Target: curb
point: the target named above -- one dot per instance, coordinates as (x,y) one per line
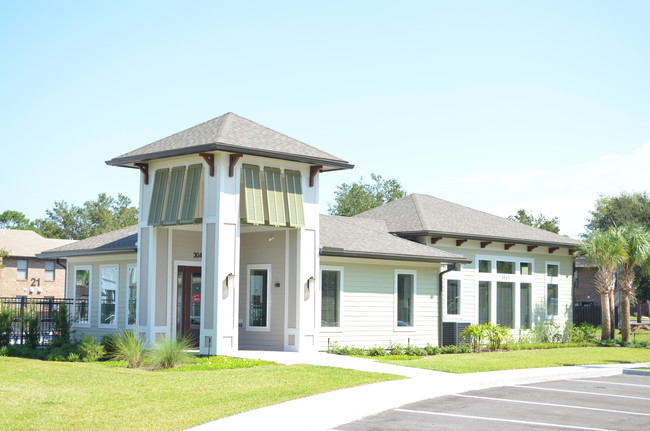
(637,372)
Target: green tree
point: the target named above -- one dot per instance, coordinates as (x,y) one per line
(15,220)
(607,251)
(69,221)
(355,198)
(541,222)
(637,251)
(621,210)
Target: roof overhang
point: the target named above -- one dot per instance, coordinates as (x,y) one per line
(94,252)
(488,238)
(328,164)
(331,251)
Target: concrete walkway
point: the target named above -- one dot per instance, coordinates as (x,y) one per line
(326,411)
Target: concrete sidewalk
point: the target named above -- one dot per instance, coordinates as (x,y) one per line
(326,411)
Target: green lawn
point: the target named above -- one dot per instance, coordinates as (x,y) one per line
(40,395)
(475,362)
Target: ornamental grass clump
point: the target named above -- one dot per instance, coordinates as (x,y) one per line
(90,350)
(128,347)
(170,353)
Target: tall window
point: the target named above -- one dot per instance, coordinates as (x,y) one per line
(331,298)
(21,269)
(108,295)
(525,305)
(405,291)
(453,296)
(258,298)
(82,276)
(484,303)
(49,270)
(132,298)
(552,288)
(505,303)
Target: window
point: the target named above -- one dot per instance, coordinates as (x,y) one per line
(551,299)
(504,267)
(108,295)
(21,269)
(405,300)
(453,296)
(484,305)
(331,298)
(258,298)
(552,270)
(484,266)
(82,276)
(49,270)
(526,268)
(505,303)
(525,305)
(132,297)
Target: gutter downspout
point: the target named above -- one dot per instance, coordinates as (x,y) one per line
(452,268)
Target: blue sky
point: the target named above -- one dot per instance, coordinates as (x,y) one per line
(495,105)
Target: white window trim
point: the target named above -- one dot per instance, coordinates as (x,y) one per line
(339,328)
(89,268)
(117,297)
(397,328)
(137,295)
(26,269)
(266,328)
(551,280)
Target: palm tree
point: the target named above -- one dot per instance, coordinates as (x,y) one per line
(607,251)
(637,250)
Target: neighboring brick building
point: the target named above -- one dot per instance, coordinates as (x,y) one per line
(585,292)
(26,275)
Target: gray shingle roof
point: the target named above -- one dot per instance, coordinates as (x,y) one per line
(423,214)
(119,241)
(235,134)
(346,236)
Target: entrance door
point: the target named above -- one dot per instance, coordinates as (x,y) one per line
(188,303)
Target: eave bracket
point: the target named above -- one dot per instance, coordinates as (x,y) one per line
(144,168)
(313,171)
(234,158)
(209,159)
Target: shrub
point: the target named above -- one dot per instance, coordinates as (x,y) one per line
(432,350)
(496,335)
(6,323)
(548,332)
(377,351)
(171,353)
(412,350)
(73,357)
(61,325)
(32,326)
(4,351)
(583,333)
(449,350)
(476,333)
(464,348)
(90,350)
(109,342)
(21,351)
(129,348)
(396,349)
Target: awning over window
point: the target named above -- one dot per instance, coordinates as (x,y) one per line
(254,209)
(294,199)
(274,196)
(168,191)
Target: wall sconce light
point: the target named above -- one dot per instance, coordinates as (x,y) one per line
(311,282)
(230,280)
(271,238)
(277,284)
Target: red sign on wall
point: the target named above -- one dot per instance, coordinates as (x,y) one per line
(196,297)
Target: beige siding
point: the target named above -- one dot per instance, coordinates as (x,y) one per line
(368,304)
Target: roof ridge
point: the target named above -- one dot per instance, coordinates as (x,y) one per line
(417,210)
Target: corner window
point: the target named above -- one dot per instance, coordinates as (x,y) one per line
(405,291)
(552,270)
(132,298)
(258,298)
(21,269)
(49,270)
(330,298)
(453,296)
(526,268)
(82,276)
(108,295)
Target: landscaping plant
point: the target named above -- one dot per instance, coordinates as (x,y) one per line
(130,348)
(6,323)
(90,350)
(475,333)
(496,335)
(61,325)
(170,353)
(32,326)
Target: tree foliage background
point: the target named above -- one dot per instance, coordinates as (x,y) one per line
(541,222)
(69,221)
(355,198)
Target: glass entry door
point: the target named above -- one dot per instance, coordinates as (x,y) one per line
(188,303)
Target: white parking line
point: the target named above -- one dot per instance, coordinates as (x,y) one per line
(483,418)
(608,383)
(581,392)
(551,405)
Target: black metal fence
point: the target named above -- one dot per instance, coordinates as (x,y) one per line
(21,309)
(587,313)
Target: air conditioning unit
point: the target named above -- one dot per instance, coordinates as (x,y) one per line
(451,333)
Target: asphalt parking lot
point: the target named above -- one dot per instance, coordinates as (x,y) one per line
(619,402)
